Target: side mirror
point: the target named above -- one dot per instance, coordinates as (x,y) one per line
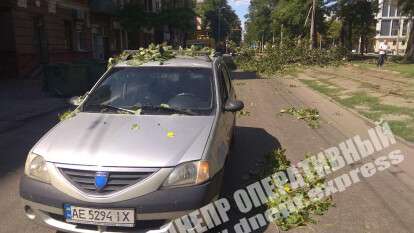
(234,106)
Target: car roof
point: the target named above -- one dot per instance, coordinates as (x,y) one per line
(196,62)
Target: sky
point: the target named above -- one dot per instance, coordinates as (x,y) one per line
(241,7)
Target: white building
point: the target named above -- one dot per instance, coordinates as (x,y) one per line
(392,26)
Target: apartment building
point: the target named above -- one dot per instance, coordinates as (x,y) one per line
(38,32)
(392,26)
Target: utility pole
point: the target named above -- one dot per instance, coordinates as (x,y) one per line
(312,27)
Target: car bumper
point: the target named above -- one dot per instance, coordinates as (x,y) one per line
(44,204)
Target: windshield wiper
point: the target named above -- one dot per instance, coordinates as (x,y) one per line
(167,109)
(107,106)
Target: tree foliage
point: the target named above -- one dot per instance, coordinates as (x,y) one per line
(268,20)
(220,20)
(293,15)
(349,20)
(259,20)
(333,32)
(358,20)
(134,18)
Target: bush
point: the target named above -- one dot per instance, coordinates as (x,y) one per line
(276,59)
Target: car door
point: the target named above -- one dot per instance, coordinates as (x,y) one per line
(230,116)
(225,121)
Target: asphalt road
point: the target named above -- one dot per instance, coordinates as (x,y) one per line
(383,203)
(14,145)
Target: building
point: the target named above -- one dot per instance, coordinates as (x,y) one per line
(392,26)
(107,35)
(39,32)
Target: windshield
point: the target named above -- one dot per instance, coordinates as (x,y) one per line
(154,90)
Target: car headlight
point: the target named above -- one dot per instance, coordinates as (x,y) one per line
(36,168)
(190,173)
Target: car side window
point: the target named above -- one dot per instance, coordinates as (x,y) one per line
(224,90)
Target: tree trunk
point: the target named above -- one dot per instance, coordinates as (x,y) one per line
(343,35)
(363,45)
(409,52)
(349,36)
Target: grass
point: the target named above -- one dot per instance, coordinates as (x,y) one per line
(358,99)
(403,129)
(373,108)
(404,69)
(323,87)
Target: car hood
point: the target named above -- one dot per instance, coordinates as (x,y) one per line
(126,140)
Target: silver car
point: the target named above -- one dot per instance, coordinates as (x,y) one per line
(148,144)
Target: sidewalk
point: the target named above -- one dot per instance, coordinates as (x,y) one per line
(21,100)
(381,203)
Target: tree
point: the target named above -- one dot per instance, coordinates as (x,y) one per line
(219,19)
(269,20)
(134,18)
(294,15)
(236,32)
(358,20)
(259,21)
(407,7)
(334,31)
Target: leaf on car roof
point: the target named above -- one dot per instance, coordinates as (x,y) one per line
(135,127)
(170,134)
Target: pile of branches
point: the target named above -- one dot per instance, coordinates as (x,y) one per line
(158,53)
(279,58)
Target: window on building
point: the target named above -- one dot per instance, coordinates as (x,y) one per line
(148,5)
(405,28)
(80,36)
(385,27)
(121,4)
(157,5)
(385,8)
(403,42)
(22,3)
(81,40)
(395,27)
(393,9)
(68,34)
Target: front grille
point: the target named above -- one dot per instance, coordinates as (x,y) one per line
(85,180)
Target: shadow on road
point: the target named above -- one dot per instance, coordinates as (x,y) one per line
(16,143)
(244,75)
(246,160)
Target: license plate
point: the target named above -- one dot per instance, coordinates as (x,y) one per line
(97,216)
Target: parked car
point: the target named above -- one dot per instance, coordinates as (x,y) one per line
(148,144)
